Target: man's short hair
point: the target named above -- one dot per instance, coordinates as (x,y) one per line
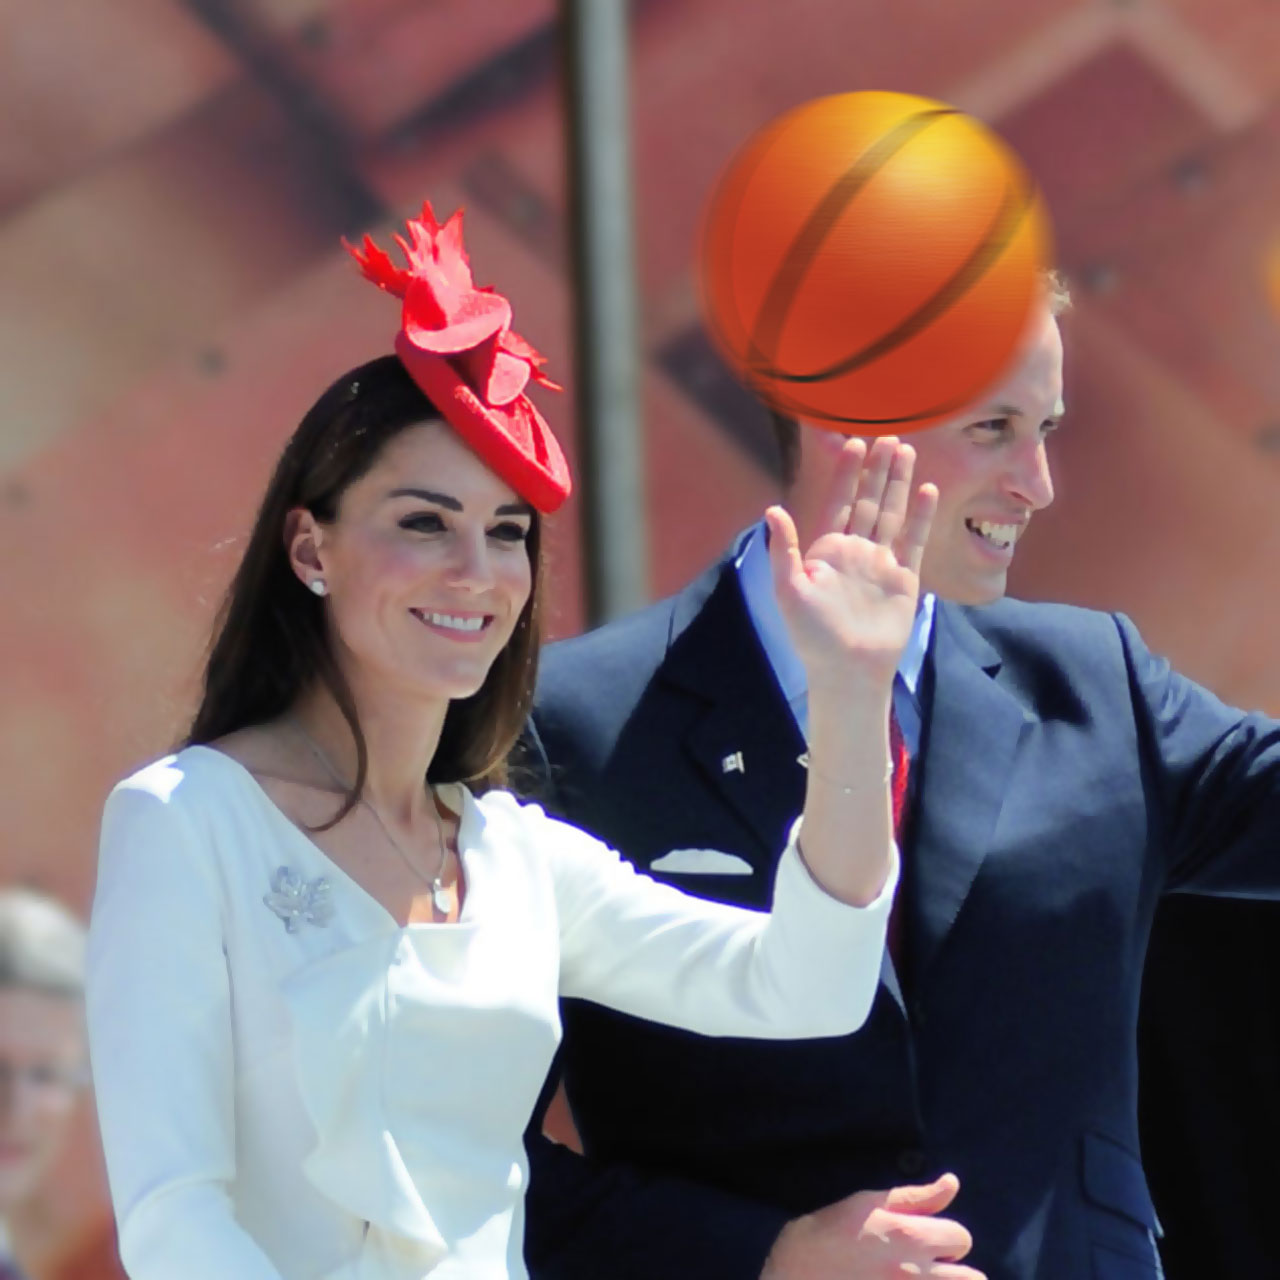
(42,945)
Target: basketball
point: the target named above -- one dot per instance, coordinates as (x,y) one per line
(870,262)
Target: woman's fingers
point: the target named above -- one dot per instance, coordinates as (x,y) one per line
(871,496)
(896,497)
(838,507)
(784,550)
(910,543)
(872,482)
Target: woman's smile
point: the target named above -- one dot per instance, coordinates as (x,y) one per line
(465,628)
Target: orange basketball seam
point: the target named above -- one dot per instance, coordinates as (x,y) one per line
(1004,226)
(812,413)
(796,260)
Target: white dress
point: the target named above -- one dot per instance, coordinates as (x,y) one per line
(294,1087)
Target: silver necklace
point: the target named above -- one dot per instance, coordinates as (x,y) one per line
(439,891)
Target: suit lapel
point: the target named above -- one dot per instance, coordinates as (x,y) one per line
(972,730)
(745,743)
(716,655)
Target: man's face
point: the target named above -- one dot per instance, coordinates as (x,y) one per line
(42,1060)
(992,475)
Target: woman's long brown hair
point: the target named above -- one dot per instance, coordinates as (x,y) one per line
(270,643)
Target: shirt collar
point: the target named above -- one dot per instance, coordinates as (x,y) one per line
(756,576)
(911,664)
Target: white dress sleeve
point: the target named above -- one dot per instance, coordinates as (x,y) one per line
(807,968)
(161,1045)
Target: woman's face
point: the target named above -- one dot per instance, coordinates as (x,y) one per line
(426,566)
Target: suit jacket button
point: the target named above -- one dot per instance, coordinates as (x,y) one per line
(911,1162)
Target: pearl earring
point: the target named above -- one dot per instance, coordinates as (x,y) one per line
(316,587)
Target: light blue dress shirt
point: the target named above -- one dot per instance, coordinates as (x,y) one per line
(756,577)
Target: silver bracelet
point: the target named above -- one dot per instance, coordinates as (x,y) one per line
(840,786)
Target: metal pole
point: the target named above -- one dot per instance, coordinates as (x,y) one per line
(611,464)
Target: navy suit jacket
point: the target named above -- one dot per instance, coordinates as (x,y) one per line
(1066,778)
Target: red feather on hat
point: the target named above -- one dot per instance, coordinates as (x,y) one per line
(457,343)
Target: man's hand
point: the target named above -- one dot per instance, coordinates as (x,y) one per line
(876,1235)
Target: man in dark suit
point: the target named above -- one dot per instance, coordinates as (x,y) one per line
(1063,779)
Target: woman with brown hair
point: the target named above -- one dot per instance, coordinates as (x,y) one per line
(327,945)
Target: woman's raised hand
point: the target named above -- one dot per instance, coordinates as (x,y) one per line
(849,599)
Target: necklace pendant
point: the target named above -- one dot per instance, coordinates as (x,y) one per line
(440,896)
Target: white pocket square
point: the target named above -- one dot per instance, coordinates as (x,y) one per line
(703,862)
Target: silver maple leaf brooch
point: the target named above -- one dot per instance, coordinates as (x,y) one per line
(298,901)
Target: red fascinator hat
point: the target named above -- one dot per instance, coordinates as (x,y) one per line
(457,343)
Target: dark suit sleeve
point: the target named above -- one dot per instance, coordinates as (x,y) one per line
(587,1221)
(1208,1040)
(1215,776)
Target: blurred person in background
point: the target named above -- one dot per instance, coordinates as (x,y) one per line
(327,944)
(43,1074)
(1063,778)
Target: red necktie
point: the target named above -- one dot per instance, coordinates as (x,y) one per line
(898,788)
(901,768)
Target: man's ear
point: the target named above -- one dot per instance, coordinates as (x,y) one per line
(303,536)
